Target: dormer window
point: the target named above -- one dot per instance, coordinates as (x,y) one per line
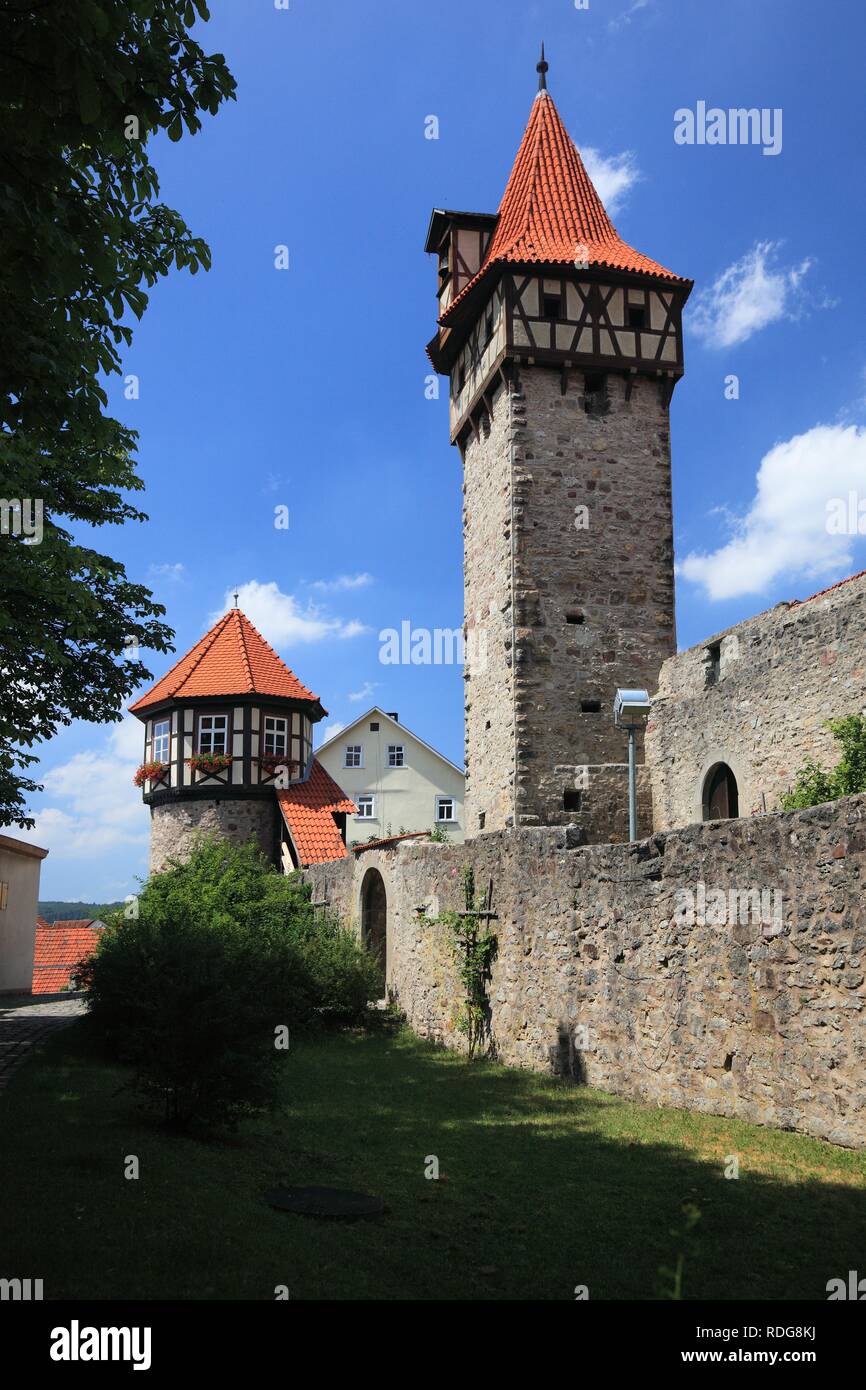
(213,733)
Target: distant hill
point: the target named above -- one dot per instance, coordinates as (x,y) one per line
(58,912)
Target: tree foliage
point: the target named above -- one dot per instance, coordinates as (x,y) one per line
(815,784)
(84,85)
(224,952)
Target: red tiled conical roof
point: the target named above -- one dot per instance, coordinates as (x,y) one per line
(550,212)
(232,659)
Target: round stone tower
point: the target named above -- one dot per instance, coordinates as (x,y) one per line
(228,727)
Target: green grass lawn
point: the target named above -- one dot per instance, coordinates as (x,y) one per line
(543,1186)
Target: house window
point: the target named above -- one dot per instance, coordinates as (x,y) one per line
(374,728)
(213,733)
(354,755)
(395,755)
(160,749)
(445,808)
(276,734)
(366,808)
(636,316)
(4,896)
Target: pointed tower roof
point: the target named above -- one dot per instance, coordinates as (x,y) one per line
(231,659)
(550,212)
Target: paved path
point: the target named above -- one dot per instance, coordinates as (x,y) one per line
(26,1022)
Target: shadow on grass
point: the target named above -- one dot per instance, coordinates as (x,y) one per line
(542,1187)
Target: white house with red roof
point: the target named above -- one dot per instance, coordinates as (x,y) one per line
(399,784)
(228,748)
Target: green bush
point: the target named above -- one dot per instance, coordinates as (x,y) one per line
(814,784)
(223,952)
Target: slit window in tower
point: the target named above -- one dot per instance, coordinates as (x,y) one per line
(595,397)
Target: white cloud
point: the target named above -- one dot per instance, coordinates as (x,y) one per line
(364,693)
(612,176)
(784,532)
(747,296)
(282,620)
(625,18)
(93,810)
(173,572)
(342,583)
(331,731)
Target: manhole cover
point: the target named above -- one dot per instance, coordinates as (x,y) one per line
(334,1202)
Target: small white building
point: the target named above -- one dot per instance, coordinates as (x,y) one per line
(397,781)
(20,864)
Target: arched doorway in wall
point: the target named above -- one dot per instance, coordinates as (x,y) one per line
(721,798)
(374,918)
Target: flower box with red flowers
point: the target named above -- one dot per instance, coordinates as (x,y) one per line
(272,763)
(150,772)
(209,763)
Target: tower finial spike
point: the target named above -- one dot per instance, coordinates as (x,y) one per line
(541,68)
(236,592)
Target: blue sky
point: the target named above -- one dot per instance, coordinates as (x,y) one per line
(304,387)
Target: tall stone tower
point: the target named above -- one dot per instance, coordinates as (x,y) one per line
(562,345)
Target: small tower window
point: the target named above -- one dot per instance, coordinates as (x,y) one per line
(636,316)
(590,706)
(276,735)
(713,663)
(160,741)
(571,799)
(575,616)
(595,397)
(551,306)
(213,733)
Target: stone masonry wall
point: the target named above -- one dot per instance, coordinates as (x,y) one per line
(746,1007)
(568,612)
(782,675)
(488,671)
(175,825)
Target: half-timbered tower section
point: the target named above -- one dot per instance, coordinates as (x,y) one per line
(228,739)
(562,345)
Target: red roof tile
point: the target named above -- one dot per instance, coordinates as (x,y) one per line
(308,808)
(58,950)
(831,588)
(550,210)
(232,659)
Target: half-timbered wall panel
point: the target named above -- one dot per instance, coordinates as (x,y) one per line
(483,347)
(587,319)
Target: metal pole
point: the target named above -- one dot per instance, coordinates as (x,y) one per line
(632,786)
